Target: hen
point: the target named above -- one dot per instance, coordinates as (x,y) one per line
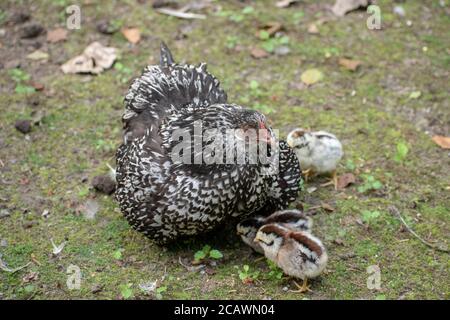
(165,197)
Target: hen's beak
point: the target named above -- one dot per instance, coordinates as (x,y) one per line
(265,134)
(257,239)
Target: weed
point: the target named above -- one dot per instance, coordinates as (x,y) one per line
(369,184)
(206,252)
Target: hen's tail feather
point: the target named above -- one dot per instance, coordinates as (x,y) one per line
(165,89)
(166,58)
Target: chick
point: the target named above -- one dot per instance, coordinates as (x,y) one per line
(298,253)
(318,152)
(290,219)
(247,229)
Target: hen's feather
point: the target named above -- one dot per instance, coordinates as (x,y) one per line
(165,199)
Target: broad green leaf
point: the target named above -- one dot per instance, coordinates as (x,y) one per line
(415,95)
(264,35)
(402,151)
(215,254)
(117,254)
(20,88)
(199,255)
(126,291)
(248,10)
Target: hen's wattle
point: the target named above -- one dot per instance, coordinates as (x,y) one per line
(167,199)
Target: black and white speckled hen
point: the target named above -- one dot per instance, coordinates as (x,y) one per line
(166,199)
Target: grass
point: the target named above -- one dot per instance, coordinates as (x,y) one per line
(370,110)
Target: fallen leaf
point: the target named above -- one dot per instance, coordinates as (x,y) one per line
(443,142)
(57,35)
(271,28)
(341,7)
(327,207)
(32,276)
(259,53)
(38,55)
(312,29)
(57,249)
(349,64)
(311,189)
(311,76)
(133,35)
(37,86)
(415,95)
(95,59)
(80,64)
(345,180)
(285,3)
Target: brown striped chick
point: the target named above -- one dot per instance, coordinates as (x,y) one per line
(318,152)
(291,219)
(298,253)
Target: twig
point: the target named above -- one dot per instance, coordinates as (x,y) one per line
(4,267)
(396,212)
(191,268)
(180,14)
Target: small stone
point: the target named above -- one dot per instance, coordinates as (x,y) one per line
(3,243)
(105,27)
(23,126)
(104,184)
(4,213)
(398,10)
(96,288)
(282,51)
(31,30)
(28,224)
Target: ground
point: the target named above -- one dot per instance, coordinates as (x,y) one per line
(385,114)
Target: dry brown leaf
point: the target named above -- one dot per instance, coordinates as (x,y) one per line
(133,35)
(95,59)
(312,29)
(345,180)
(57,35)
(259,53)
(285,3)
(271,28)
(441,141)
(341,7)
(32,276)
(37,86)
(349,64)
(327,207)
